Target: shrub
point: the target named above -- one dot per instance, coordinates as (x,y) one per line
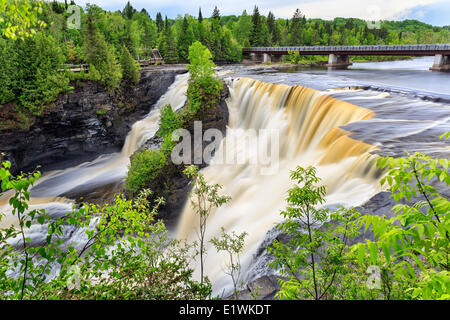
(126,254)
(144,167)
(169,121)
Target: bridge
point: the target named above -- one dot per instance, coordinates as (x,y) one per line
(339,56)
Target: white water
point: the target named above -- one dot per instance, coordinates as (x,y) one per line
(307,121)
(104,170)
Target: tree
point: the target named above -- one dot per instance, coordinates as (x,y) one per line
(216,13)
(296,29)
(203,198)
(274,31)
(19,19)
(167,45)
(98,53)
(185,40)
(128,11)
(127,254)
(159,22)
(243,28)
(232,244)
(130,69)
(200,17)
(414,243)
(256,33)
(313,257)
(200,64)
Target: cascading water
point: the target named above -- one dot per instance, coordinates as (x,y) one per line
(105,170)
(308,124)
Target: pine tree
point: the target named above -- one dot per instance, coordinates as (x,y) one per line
(159,22)
(128,11)
(99,54)
(200,17)
(216,13)
(256,35)
(296,29)
(274,31)
(167,45)
(130,69)
(185,40)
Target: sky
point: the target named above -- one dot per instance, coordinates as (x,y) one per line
(435,12)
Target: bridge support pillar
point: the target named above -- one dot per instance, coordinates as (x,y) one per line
(441,63)
(267,58)
(338,61)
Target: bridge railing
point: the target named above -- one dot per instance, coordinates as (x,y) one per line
(415,47)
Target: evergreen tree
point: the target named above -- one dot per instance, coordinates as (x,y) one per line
(167,45)
(257,36)
(296,29)
(128,11)
(215,40)
(274,31)
(99,55)
(159,22)
(200,17)
(185,40)
(243,28)
(130,69)
(145,12)
(216,13)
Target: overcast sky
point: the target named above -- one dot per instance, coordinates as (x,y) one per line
(436,12)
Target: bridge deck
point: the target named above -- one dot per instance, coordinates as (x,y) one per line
(406,50)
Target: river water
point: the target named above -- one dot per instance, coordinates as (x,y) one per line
(333,119)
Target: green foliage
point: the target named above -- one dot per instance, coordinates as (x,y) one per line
(233,245)
(130,68)
(313,258)
(99,54)
(200,67)
(185,39)
(20,18)
(203,198)
(127,255)
(33,73)
(204,89)
(144,167)
(169,122)
(415,241)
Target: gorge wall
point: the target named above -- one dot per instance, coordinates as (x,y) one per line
(83,124)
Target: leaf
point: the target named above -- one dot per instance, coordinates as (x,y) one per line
(41,219)
(387,251)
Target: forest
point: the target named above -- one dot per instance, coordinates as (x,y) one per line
(108,41)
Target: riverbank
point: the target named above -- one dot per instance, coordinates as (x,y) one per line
(82,124)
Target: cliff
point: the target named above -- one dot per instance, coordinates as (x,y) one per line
(82,124)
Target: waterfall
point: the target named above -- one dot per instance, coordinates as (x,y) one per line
(105,170)
(308,124)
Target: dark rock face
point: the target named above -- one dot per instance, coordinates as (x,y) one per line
(83,124)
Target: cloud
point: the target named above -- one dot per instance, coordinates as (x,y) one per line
(367,10)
